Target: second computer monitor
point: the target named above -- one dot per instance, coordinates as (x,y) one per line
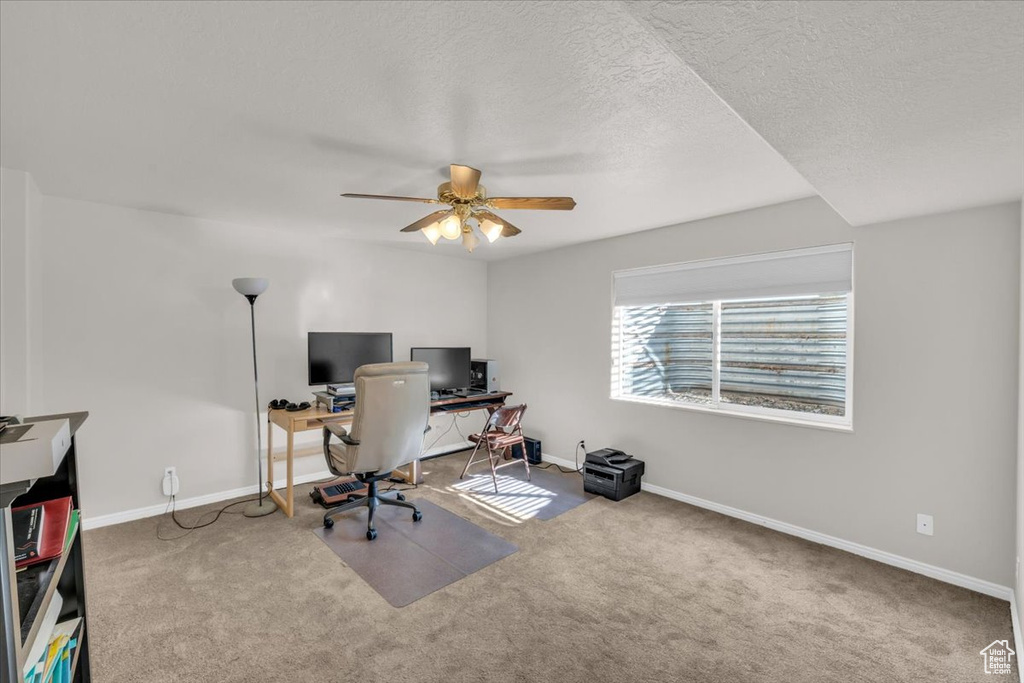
(335,356)
(449,366)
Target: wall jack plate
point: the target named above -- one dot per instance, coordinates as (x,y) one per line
(925,525)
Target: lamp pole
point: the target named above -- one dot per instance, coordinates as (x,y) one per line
(256,386)
(250,288)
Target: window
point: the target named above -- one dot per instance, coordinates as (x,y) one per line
(766,335)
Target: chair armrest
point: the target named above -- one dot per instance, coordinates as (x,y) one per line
(336,429)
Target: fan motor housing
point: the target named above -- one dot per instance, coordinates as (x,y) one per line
(445,194)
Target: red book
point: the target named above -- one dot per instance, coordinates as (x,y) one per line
(55,516)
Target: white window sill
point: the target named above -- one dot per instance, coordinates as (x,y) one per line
(828,425)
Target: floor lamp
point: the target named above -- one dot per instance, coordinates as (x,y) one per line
(250,288)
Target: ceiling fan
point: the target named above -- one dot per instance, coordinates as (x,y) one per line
(468,201)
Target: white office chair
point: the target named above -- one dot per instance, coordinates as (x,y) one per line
(391,414)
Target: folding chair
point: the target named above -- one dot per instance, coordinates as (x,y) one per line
(502,431)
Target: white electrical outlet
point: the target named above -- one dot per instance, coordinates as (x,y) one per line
(925,525)
(170,481)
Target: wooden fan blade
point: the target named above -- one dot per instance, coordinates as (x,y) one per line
(507,229)
(426,220)
(549,203)
(392,198)
(464,181)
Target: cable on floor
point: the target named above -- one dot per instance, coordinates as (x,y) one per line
(565,470)
(549,465)
(406,486)
(199,523)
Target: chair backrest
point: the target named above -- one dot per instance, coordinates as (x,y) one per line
(391,414)
(505,418)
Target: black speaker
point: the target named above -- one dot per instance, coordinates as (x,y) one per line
(532,451)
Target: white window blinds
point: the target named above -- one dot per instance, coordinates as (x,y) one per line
(798,272)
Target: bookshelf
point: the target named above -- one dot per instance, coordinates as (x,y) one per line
(27,595)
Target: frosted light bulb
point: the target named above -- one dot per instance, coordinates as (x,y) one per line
(451,227)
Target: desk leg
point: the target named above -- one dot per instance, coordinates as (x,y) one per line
(270,456)
(285,505)
(290,511)
(411,473)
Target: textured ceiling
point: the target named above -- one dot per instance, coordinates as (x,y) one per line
(888,109)
(262,113)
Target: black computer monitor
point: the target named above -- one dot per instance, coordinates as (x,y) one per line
(334,356)
(449,367)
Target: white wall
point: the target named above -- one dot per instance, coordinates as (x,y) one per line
(134,319)
(1019,569)
(935,380)
(19,205)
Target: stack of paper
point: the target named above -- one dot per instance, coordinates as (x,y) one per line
(54,666)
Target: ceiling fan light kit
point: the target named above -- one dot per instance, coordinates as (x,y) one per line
(469,202)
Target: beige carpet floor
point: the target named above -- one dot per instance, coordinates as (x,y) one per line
(647,589)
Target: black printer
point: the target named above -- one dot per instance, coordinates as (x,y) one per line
(612,474)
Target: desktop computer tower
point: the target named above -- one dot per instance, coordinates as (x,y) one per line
(532,451)
(483,375)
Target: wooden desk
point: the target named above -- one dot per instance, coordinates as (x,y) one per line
(318,416)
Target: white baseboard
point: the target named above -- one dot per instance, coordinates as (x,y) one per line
(1017,638)
(185,503)
(980,585)
(196,501)
(945,575)
(558,461)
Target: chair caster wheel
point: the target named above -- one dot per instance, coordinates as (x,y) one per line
(371,534)
(328,523)
(417,516)
(400,496)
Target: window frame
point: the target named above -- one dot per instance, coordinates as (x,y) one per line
(842,423)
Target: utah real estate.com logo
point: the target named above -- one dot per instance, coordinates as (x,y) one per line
(997,657)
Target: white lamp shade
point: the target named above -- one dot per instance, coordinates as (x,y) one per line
(491,229)
(250,286)
(432,231)
(469,241)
